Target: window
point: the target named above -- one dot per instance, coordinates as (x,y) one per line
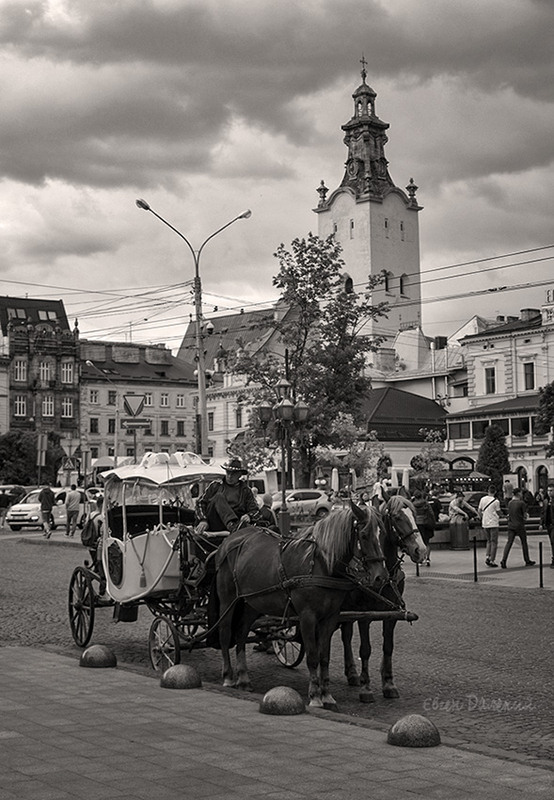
(164,400)
(148,399)
(490,380)
(20,405)
(503,424)
(112,397)
(67,407)
(48,406)
(94,396)
(48,315)
(67,371)
(111,425)
(19,370)
(351,228)
(404,284)
(458,430)
(520,426)
(180,402)
(335,227)
(238,417)
(93,425)
(402,230)
(479,427)
(180,427)
(210,420)
(94,452)
(529,375)
(386,280)
(130,451)
(16,313)
(164,427)
(386,228)
(111,451)
(44,370)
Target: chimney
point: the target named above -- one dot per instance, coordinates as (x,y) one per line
(528,314)
(501,318)
(384,359)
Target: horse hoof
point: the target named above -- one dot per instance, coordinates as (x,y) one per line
(316,702)
(391,693)
(366,697)
(353,680)
(228,684)
(330,706)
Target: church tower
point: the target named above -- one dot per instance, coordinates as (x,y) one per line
(376,222)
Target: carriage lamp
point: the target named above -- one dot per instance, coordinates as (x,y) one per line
(200,358)
(286,415)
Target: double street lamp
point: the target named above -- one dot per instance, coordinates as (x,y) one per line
(287,416)
(202,416)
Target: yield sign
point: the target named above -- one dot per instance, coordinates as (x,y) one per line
(134,403)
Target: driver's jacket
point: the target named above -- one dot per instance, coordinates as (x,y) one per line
(239,496)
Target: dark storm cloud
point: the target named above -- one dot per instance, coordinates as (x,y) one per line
(133,92)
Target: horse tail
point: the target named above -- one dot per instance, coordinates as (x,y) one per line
(212,640)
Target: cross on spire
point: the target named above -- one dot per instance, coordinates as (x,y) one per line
(363,62)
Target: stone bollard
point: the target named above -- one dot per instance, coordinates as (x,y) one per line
(413,730)
(282,700)
(98,655)
(181,676)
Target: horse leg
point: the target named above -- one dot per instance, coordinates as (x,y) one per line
(366,695)
(325,632)
(307,624)
(242,631)
(346,631)
(389,689)
(226,601)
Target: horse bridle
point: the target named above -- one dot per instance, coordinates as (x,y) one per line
(400,538)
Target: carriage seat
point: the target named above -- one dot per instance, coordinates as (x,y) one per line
(143,517)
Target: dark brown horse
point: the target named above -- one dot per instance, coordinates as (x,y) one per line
(399,534)
(260,573)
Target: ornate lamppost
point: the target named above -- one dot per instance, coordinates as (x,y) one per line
(286,416)
(202,417)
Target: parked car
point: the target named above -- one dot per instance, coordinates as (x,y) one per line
(304,502)
(26,513)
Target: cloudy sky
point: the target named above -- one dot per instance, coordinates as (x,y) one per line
(206,108)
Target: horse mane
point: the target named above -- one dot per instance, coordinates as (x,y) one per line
(333,535)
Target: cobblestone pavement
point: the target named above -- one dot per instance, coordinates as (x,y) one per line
(478,662)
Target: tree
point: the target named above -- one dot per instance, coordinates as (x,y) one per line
(324,340)
(429,464)
(544,421)
(18,458)
(493,458)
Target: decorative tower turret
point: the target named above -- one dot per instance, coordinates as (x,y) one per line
(375,221)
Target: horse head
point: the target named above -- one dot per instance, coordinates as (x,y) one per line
(367,525)
(400,526)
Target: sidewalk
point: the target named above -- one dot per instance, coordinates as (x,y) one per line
(69,732)
(459,565)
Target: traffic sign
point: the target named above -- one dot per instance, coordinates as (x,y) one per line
(134,403)
(136,423)
(70,464)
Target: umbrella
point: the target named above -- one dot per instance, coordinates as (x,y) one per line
(406,478)
(394,479)
(335,480)
(353,480)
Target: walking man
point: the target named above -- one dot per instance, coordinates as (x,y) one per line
(547,518)
(46,499)
(72,503)
(517,512)
(489,511)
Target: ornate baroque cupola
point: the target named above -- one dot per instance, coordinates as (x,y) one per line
(366,167)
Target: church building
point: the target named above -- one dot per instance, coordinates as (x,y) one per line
(375,221)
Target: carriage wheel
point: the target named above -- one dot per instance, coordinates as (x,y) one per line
(81,607)
(164,648)
(197,621)
(289,648)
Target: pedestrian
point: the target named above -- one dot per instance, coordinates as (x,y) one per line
(267,514)
(489,511)
(547,519)
(425,520)
(365,500)
(72,503)
(517,514)
(540,497)
(5,501)
(459,510)
(380,495)
(47,500)
(508,490)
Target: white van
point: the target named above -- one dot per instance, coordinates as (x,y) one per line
(26,513)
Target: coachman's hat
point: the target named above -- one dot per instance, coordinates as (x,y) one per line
(235,465)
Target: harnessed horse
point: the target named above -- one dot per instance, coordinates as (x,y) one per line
(261,573)
(398,534)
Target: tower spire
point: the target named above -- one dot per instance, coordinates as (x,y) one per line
(363,62)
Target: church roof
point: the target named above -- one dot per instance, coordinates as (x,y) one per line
(396,415)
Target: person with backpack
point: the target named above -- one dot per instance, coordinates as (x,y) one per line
(489,513)
(91,538)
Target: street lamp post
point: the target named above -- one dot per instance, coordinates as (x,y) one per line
(286,415)
(116,432)
(202,417)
